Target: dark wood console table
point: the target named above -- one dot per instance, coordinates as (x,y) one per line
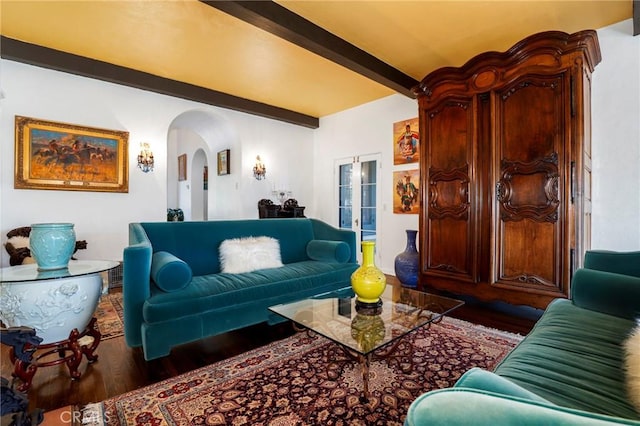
(290,208)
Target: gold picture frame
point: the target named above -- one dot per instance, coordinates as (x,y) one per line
(182,167)
(223,162)
(62,156)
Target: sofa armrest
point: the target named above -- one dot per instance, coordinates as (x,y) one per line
(618,262)
(468,407)
(480,379)
(324,231)
(136,282)
(606,292)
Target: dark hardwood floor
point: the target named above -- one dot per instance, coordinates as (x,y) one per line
(120,369)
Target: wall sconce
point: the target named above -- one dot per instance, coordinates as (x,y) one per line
(259,170)
(145,158)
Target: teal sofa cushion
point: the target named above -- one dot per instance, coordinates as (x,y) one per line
(626,263)
(573,357)
(219,291)
(618,296)
(198,243)
(328,251)
(169,272)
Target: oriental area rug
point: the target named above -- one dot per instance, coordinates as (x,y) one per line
(288,382)
(110,316)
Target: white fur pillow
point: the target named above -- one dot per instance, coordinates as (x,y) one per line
(248,254)
(632,363)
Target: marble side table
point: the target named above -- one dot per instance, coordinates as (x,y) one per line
(59,305)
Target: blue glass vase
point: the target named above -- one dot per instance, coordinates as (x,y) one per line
(52,245)
(407,263)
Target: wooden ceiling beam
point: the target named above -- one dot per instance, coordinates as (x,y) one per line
(636,17)
(280,21)
(45,57)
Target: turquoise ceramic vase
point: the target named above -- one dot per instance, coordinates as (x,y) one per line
(52,245)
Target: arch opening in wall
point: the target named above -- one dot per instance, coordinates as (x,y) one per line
(200,135)
(199,186)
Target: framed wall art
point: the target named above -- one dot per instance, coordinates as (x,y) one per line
(182,167)
(406,191)
(51,155)
(223,162)
(406,141)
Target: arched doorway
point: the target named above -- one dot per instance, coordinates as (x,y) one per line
(200,186)
(199,135)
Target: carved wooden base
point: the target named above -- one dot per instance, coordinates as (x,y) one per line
(68,351)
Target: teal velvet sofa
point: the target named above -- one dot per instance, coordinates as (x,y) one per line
(569,370)
(174,291)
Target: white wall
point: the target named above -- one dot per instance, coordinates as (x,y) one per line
(367,129)
(102,218)
(616,140)
(285,149)
(616,151)
(186,142)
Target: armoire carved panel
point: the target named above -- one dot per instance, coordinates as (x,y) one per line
(505,160)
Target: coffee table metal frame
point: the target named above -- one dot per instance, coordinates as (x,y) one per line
(362,333)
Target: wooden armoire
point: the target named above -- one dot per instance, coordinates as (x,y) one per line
(505,157)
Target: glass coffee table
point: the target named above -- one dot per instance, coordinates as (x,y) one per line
(364,332)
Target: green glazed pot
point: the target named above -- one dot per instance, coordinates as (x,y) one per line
(52,244)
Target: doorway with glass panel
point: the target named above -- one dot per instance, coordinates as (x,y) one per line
(358,195)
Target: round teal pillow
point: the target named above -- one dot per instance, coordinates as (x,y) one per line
(328,251)
(169,272)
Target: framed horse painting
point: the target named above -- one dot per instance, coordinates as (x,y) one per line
(69,157)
